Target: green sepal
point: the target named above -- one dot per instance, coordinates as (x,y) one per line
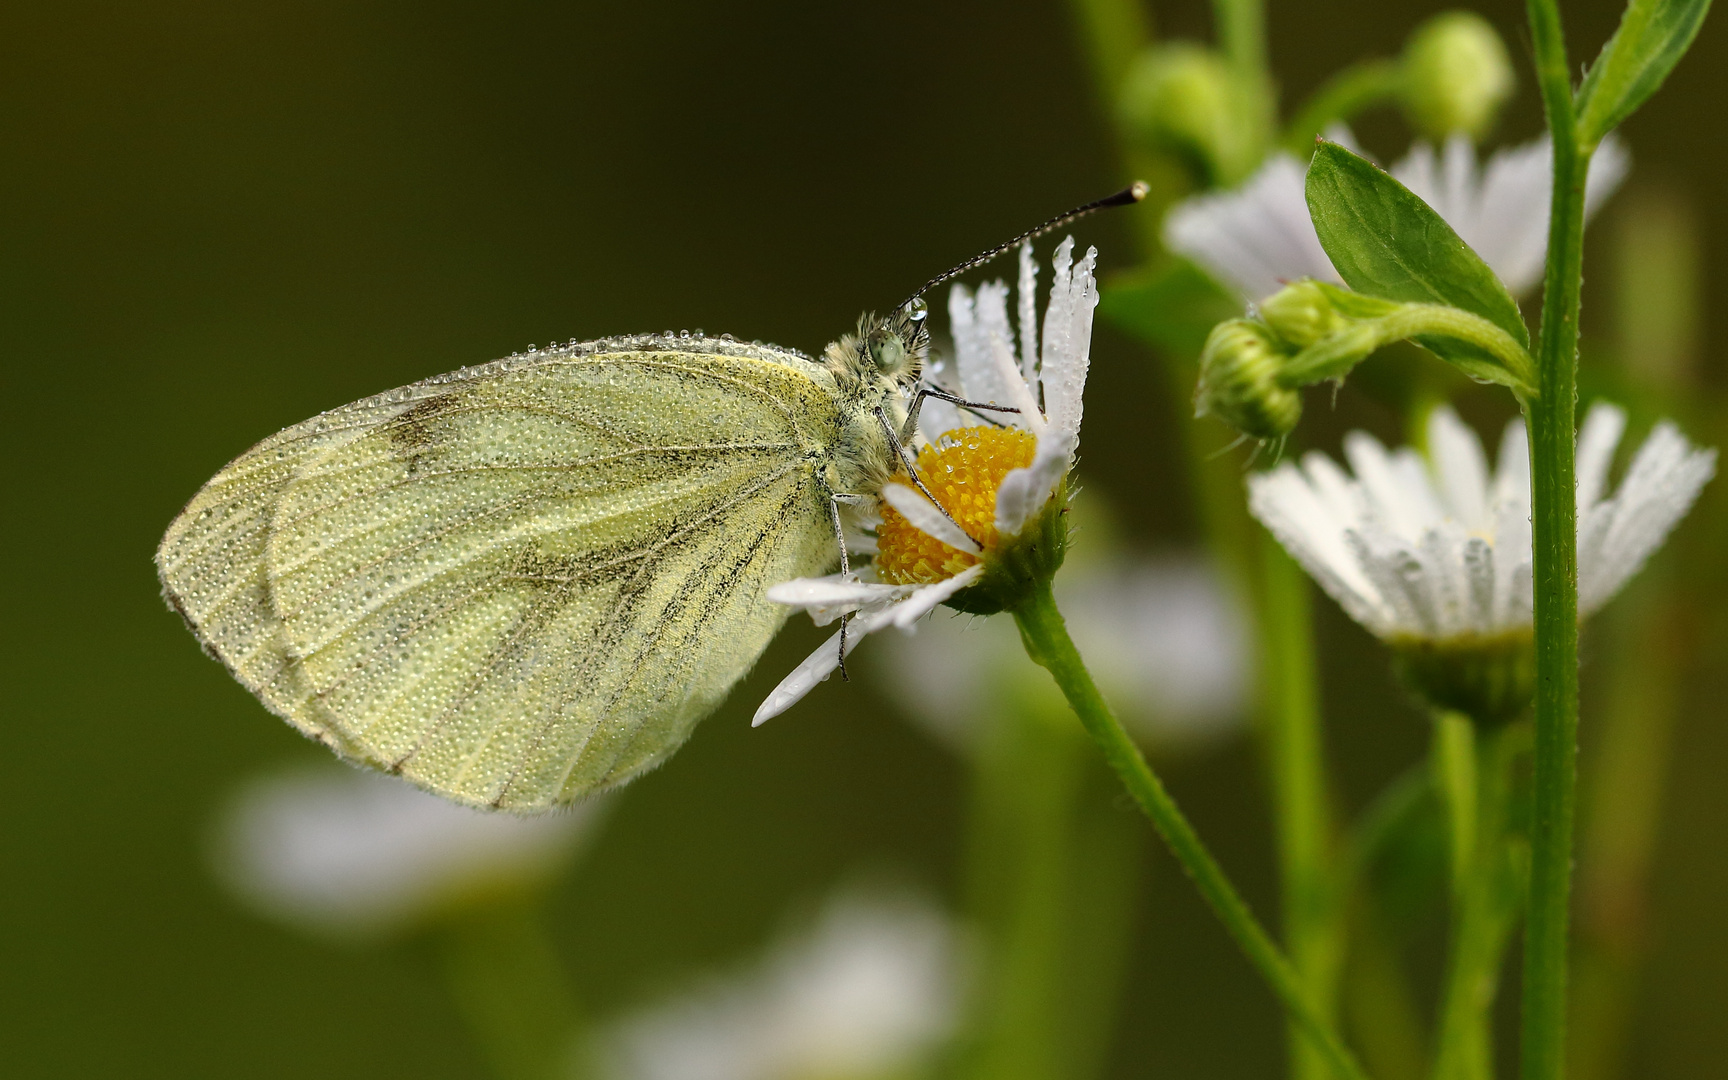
(1652,37)
(1387,243)
(1489,679)
(1020,565)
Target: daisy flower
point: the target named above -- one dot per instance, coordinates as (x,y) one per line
(869,991)
(1163,638)
(355,852)
(1435,558)
(994,481)
(1257,237)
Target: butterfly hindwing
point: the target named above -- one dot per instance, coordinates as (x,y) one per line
(522,582)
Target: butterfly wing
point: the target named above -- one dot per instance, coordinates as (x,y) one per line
(523,582)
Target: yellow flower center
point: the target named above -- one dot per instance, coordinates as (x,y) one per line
(963,471)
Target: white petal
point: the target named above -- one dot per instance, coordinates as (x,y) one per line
(832,591)
(976,319)
(1400,496)
(1067,354)
(1598,437)
(1342,496)
(927,517)
(1285,503)
(1608,166)
(1026,292)
(820,664)
(928,597)
(1255,237)
(1396,568)
(1023,492)
(1460,467)
(1015,391)
(1512,470)
(1479,574)
(1502,211)
(1664,480)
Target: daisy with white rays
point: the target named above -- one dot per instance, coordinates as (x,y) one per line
(1259,236)
(1000,484)
(1003,487)
(1435,559)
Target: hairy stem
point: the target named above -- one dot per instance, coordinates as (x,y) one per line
(1334,356)
(1554,520)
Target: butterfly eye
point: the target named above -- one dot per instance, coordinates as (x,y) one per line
(889,353)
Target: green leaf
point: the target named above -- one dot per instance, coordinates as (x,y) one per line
(1173,309)
(1653,36)
(1386,242)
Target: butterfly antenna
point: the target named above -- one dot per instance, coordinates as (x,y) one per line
(1128,196)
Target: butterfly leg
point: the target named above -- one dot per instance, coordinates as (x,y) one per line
(910,427)
(905,458)
(835,498)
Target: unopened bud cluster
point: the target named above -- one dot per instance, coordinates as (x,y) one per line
(1242,367)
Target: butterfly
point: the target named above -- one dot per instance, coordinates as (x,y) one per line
(523,582)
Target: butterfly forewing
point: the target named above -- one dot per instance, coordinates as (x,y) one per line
(523,582)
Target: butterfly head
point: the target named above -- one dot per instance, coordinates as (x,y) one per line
(887,352)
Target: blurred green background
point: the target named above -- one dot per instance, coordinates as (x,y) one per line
(217,219)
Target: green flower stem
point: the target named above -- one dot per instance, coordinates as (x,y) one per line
(1473,774)
(1053,872)
(1241,29)
(503,974)
(1313,926)
(1357,88)
(1554,521)
(1047,642)
(1334,355)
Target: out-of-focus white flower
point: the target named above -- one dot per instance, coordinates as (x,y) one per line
(1441,551)
(1257,237)
(868,992)
(994,482)
(1164,640)
(352,852)
(1501,209)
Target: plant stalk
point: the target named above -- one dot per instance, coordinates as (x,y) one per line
(1552,422)
(1473,767)
(1313,930)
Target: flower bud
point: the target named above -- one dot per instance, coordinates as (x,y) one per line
(1489,679)
(1179,99)
(1239,381)
(1300,314)
(1456,76)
